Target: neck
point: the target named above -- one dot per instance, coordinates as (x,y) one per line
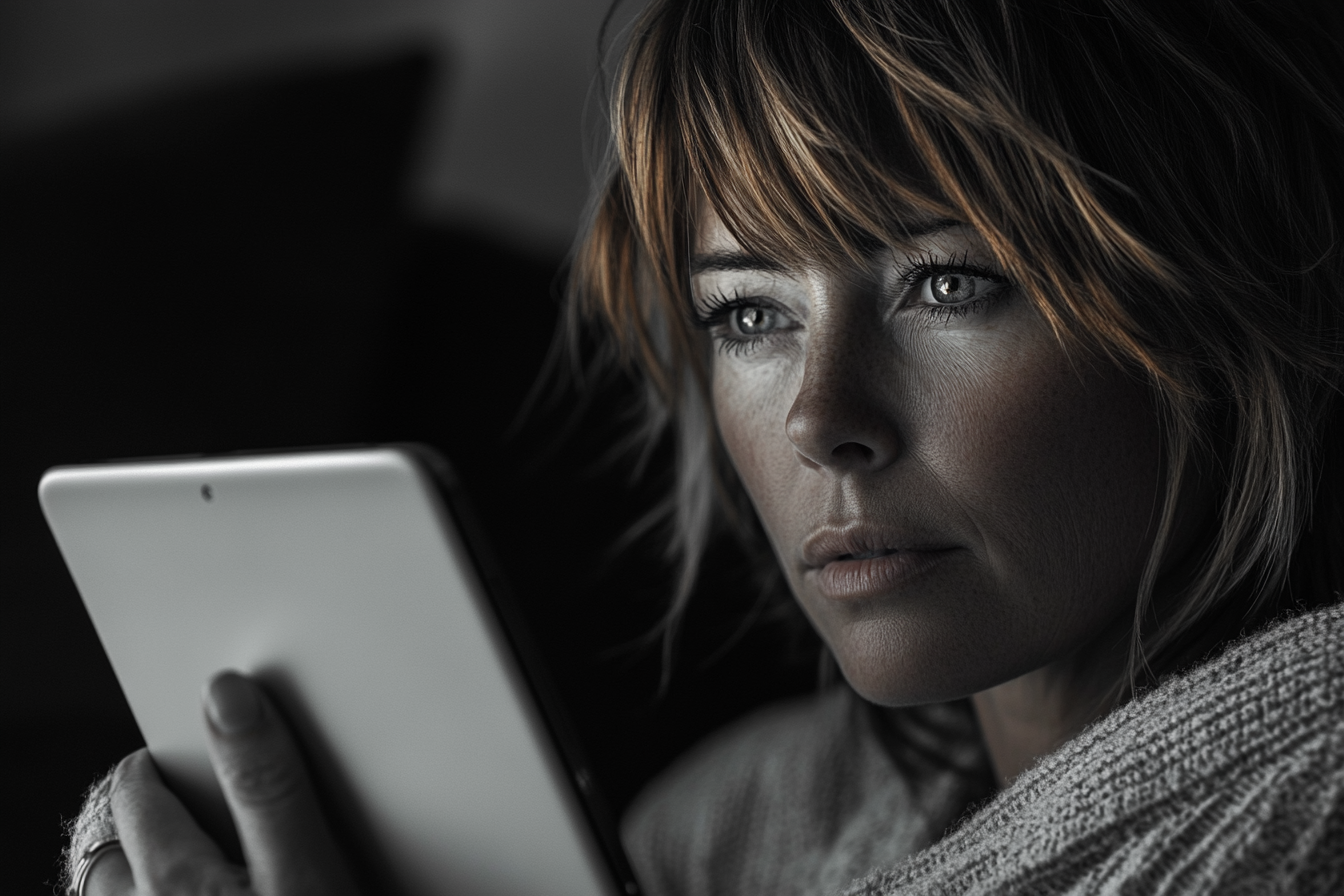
(1030,716)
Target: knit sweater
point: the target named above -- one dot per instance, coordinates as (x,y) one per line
(1228,779)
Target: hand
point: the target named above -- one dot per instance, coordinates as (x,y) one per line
(286,842)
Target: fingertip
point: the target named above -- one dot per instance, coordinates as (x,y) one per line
(132,766)
(233,703)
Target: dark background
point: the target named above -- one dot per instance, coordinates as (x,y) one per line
(234,264)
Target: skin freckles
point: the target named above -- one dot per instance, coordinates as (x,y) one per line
(869,403)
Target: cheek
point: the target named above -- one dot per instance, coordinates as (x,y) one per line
(751,407)
(1055,462)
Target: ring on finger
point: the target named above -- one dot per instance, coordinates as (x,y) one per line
(86,861)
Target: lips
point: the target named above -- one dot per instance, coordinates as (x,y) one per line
(857,562)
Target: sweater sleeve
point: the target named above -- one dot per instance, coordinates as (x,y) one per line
(1229,779)
(93,824)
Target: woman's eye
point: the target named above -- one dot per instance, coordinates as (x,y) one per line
(754,320)
(954,289)
(741,324)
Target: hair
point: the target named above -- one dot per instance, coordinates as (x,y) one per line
(1160,179)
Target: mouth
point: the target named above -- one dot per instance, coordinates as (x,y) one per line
(868,555)
(861,562)
(829,545)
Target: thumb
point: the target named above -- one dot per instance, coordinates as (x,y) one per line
(286,841)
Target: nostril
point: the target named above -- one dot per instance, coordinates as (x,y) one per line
(852,452)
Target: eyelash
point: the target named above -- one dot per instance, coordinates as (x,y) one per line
(717,307)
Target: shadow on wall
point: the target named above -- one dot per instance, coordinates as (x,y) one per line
(233,269)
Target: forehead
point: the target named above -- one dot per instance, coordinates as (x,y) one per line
(709,230)
(714,248)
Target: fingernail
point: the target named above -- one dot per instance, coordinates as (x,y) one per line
(232,703)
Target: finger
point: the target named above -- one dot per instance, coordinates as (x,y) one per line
(110,876)
(166,850)
(288,845)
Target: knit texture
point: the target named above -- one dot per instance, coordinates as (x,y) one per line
(93,825)
(1227,779)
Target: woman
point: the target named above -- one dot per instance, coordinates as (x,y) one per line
(1011,337)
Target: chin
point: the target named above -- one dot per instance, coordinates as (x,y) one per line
(894,663)
(877,686)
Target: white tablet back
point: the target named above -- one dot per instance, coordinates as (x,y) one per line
(338,578)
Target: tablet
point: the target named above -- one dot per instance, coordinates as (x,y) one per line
(346,582)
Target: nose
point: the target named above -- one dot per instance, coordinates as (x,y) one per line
(841,419)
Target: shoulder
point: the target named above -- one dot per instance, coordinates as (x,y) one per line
(797,797)
(698,827)
(1229,777)
(783,738)
(723,775)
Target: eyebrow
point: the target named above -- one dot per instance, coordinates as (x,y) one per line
(734,261)
(745,261)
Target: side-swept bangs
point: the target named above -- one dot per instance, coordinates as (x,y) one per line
(1156,176)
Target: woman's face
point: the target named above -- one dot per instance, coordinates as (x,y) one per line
(956,500)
